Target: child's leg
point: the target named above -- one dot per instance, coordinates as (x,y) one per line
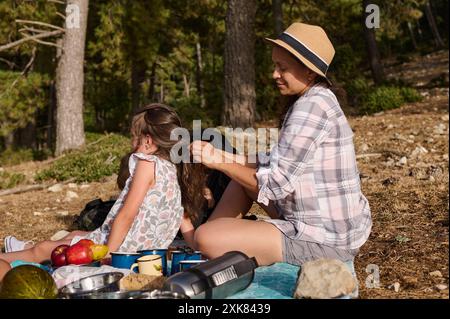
(70,236)
(40,252)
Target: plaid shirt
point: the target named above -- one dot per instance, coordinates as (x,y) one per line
(312,176)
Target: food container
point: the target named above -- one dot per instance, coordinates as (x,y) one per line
(108,282)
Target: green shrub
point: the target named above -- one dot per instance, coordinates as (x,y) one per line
(13,156)
(386,98)
(100,158)
(10,180)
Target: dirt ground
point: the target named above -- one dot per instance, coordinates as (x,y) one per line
(403,161)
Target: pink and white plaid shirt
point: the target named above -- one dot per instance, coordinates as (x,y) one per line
(312,177)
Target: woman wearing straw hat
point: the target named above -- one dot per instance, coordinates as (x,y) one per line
(309,185)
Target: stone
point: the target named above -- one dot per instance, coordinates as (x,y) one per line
(364,148)
(440,129)
(324,279)
(38,214)
(436,273)
(390,126)
(62,213)
(402,161)
(418,152)
(84,186)
(70,195)
(72,185)
(55,188)
(396,286)
(441,287)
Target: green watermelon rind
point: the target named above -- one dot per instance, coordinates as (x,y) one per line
(18,283)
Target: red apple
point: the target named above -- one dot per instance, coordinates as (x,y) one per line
(79,254)
(58,256)
(86,242)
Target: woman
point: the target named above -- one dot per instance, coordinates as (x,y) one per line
(309,185)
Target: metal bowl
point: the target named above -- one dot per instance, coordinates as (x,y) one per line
(159,294)
(135,294)
(108,282)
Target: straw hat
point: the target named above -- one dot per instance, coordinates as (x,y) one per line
(310,44)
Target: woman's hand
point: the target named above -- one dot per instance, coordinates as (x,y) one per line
(205,153)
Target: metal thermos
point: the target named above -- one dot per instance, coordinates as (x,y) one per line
(217,278)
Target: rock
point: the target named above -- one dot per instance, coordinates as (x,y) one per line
(403,161)
(429,140)
(445,118)
(418,152)
(72,185)
(46,209)
(59,235)
(440,129)
(369,134)
(9,214)
(441,287)
(2,169)
(38,214)
(62,213)
(390,126)
(324,279)
(55,188)
(364,148)
(70,195)
(389,163)
(396,286)
(436,273)
(445,157)
(84,186)
(431,179)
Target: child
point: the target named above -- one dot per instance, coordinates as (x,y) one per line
(149,210)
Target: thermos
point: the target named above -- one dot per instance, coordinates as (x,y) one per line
(217,278)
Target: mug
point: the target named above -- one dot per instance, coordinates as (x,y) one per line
(160,252)
(149,265)
(180,255)
(186,264)
(123,260)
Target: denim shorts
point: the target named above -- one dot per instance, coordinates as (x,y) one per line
(297,252)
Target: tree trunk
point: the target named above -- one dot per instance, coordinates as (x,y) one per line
(239,64)
(199,75)
(432,22)
(277,6)
(151,88)
(413,37)
(187,89)
(70,81)
(137,79)
(372,49)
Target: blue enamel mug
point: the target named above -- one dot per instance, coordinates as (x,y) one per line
(123,260)
(186,264)
(160,252)
(180,255)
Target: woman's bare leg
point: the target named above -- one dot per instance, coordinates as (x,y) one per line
(236,202)
(71,235)
(40,252)
(254,238)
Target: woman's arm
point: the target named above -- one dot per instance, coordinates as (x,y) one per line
(187,230)
(143,179)
(235,166)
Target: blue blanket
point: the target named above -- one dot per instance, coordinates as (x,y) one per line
(278,281)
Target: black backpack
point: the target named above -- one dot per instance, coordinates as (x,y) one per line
(93,215)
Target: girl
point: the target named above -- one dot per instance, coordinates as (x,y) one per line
(150,209)
(309,185)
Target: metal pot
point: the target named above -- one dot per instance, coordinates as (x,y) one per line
(158,294)
(108,282)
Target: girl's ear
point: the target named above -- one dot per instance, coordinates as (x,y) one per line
(148,141)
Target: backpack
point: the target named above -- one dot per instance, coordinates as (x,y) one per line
(93,215)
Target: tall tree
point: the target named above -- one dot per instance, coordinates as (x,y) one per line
(70,79)
(434,29)
(372,48)
(239,64)
(277,6)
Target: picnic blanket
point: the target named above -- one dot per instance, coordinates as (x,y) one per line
(278,281)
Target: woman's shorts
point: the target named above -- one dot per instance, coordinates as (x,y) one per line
(297,252)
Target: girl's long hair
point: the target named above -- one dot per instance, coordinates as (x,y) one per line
(158,121)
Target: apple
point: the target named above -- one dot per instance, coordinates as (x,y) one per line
(79,254)
(86,242)
(99,251)
(58,256)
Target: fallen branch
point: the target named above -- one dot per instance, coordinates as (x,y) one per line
(26,39)
(368,155)
(29,188)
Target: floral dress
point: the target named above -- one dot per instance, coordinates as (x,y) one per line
(159,216)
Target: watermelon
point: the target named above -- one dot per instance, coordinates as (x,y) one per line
(28,282)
